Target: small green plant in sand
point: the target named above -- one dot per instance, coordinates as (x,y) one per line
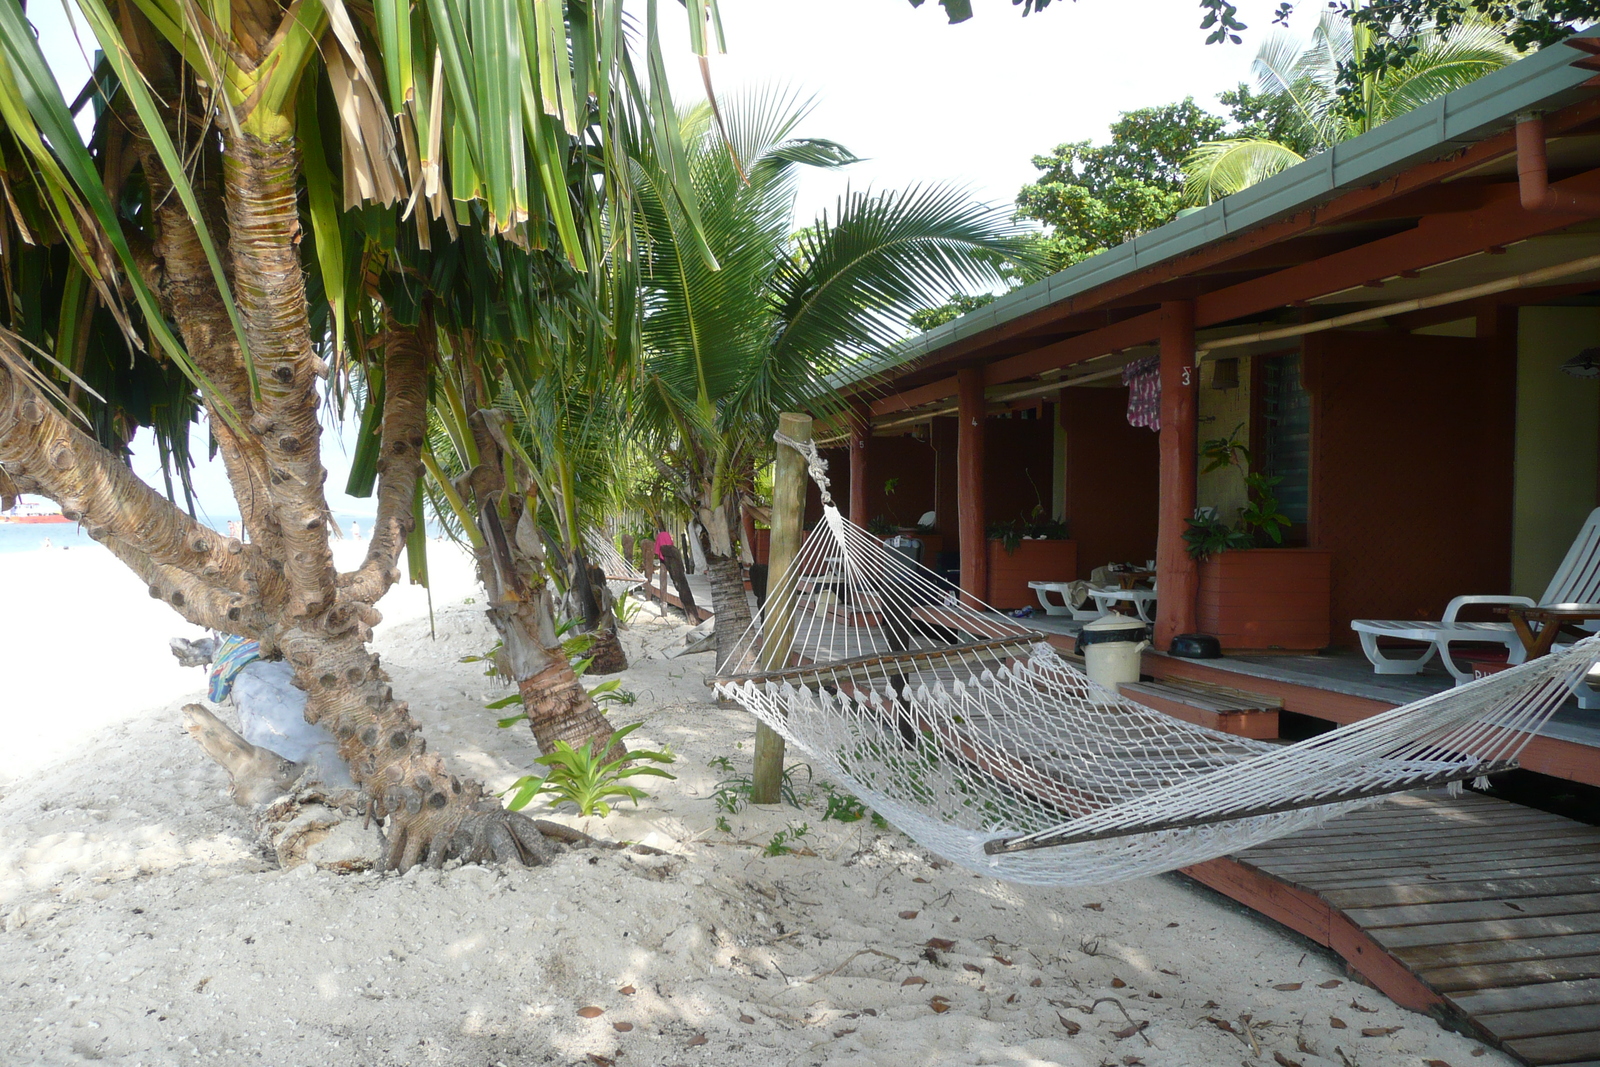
(846,807)
(723,825)
(783,842)
(589,780)
(733,792)
(627,608)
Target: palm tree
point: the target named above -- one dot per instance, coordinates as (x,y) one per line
(215,185)
(725,350)
(1308,79)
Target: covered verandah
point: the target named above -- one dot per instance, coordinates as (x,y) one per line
(1384,327)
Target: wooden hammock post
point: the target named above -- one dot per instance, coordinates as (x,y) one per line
(788,518)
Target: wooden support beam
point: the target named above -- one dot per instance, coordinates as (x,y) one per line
(1177,575)
(860,453)
(788,519)
(969,484)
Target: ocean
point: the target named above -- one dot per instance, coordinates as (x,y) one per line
(30,537)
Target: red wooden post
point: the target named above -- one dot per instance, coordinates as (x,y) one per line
(860,448)
(1177,576)
(969,483)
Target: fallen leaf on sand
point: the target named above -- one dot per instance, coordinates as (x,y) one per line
(1378,1031)
(973,967)
(1283,1061)
(1001,960)
(1012,999)
(1332,983)
(1436,1063)
(1129,1031)
(1221,1024)
(923,881)
(1172,926)
(842,1033)
(591,1012)
(1036,983)
(1095,907)
(1369,1011)
(746,1019)
(915,979)
(1337,1023)
(1132,1061)
(908,915)
(940,1005)
(697,1039)
(1117,983)
(622,1028)
(600,1061)
(627,991)
(1071,1027)
(1287,987)
(1210,1004)
(940,943)
(1163,970)
(1478,1051)
(1153,995)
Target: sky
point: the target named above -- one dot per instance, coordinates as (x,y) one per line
(919,99)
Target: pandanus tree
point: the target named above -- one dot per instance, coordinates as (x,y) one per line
(515,461)
(725,350)
(1324,108)
(241,148)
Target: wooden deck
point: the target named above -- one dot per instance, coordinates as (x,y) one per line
(1482,913)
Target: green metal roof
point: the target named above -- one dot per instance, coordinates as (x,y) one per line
(1543,81)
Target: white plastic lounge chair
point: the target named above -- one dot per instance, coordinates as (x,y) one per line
(1577,581)
(1143,601)
(1042,590)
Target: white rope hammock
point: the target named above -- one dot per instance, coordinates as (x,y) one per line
(970,734)
(621,576)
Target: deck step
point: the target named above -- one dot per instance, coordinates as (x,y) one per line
(1233,711)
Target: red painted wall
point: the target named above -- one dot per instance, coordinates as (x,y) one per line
(1018,467)
(1113,476)
(912,462)
(1411,470)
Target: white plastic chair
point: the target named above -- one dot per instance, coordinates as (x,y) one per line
(1042,590)
(1576,581)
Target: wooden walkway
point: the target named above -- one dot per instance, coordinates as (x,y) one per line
(1482,913)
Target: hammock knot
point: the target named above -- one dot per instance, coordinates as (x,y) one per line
(816,466)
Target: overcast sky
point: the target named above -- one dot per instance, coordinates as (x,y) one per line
(919,99)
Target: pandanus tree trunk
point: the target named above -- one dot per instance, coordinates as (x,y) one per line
(282,589)
(521,606)
(606,654)
(719,539)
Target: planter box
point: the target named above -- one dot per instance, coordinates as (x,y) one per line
(932,544)
(1267,598)
(1033,561)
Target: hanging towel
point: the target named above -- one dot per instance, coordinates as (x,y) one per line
(1143,379)
(231,657)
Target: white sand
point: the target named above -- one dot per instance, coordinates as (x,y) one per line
(141,926)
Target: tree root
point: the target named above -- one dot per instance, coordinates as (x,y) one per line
(256,775)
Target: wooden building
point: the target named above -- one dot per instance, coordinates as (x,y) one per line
(1392,326)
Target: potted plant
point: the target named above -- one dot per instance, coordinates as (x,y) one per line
(1027,549)
(1254,597)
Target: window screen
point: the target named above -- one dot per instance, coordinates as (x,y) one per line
(1286,434)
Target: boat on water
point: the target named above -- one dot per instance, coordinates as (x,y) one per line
(29,512)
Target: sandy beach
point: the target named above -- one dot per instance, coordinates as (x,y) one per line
(140,923)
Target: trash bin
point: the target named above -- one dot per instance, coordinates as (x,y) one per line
(1110,646)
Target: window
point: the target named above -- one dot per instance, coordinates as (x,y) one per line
(1285,450)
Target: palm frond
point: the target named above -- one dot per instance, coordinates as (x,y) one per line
(1217,169)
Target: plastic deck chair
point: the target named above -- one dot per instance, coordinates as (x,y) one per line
(1576,581)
